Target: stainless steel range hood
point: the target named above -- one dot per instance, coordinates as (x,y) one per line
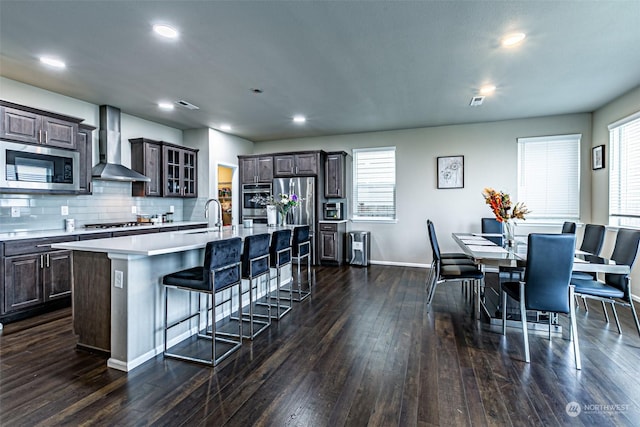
(110,167)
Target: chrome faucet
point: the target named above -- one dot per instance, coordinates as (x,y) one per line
(206,213)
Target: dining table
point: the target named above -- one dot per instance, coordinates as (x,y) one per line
(486,253)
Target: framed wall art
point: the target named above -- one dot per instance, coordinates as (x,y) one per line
(451,172)
(597,157)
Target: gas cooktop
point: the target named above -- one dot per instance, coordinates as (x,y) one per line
(116,224)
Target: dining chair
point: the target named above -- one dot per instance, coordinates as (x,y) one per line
(219,272)
(493,226)
(616,288)
(592,240)
(546,285)
(442,273)
(449,258)
(569,227)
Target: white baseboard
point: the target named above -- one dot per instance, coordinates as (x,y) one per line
(401,264)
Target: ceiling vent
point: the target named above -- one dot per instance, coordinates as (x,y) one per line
(187,105)
(476,101)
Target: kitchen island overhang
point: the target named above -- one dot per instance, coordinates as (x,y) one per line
(135,308)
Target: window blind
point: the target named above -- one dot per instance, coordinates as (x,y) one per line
(374,183)
(624,173)
(549,176)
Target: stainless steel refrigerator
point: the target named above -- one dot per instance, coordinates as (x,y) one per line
(305,212)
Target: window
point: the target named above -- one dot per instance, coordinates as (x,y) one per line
(549,176)
(374,184)
(624,173)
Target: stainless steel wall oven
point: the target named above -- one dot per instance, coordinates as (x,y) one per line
(251,209)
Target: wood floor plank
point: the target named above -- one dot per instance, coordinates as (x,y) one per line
(363,350)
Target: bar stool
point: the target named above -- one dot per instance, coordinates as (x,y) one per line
(220,271)
(255,263)
(279,256)
(301,249)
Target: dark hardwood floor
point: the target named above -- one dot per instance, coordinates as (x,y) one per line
(362,351)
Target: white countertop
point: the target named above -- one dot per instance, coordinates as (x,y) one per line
(55,233)
(333,221)
(164,243)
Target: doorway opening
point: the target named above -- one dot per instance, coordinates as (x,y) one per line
(225,193)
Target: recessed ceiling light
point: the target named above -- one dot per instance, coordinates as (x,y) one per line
(53,62)
(166,31)
(513,39)
(225,128)
(299,119)
(166,105)
(487,90)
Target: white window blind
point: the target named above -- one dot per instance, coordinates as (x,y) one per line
(374,183)
(549,176)
(624,172)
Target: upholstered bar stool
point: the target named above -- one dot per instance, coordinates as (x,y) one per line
(255,264)
(301,249)
(220,272)
(280,256)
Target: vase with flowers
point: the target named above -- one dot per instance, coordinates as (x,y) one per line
(284,203)
(504,211)
(277,205)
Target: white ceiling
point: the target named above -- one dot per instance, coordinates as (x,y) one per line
(349,66)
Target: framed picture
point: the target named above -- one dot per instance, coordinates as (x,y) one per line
(451,172)
(597,157)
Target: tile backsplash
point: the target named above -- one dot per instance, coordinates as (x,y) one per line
(111,201)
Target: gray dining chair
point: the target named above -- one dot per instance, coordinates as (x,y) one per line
(616,288)
(493,226)
(443,273)
(592,241)
(569,227)
(546,285)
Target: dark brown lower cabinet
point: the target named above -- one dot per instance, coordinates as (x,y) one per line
(332,242)
(33,280)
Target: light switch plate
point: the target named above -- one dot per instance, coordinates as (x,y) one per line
(15,212)
(64,210)
(134,209)
(171,208)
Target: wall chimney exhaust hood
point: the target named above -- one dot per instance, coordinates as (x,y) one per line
(110,167)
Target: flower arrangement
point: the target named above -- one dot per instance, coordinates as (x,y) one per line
(283,202)
(500,204)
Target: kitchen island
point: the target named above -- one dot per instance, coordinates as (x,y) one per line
(118,293)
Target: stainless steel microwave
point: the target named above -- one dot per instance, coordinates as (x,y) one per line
(34,167)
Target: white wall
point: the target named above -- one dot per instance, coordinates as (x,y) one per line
(490,154)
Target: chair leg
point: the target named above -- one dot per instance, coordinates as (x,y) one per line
(615,316)
(550,319)
(604,310)
(504,313)
(166,307)
(574,328)
(635,315)
(586,307)
(434,285)
(523,318)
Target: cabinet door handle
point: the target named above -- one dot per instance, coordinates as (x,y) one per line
(47,260)
(41,261)
(40,136)
(45,137)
